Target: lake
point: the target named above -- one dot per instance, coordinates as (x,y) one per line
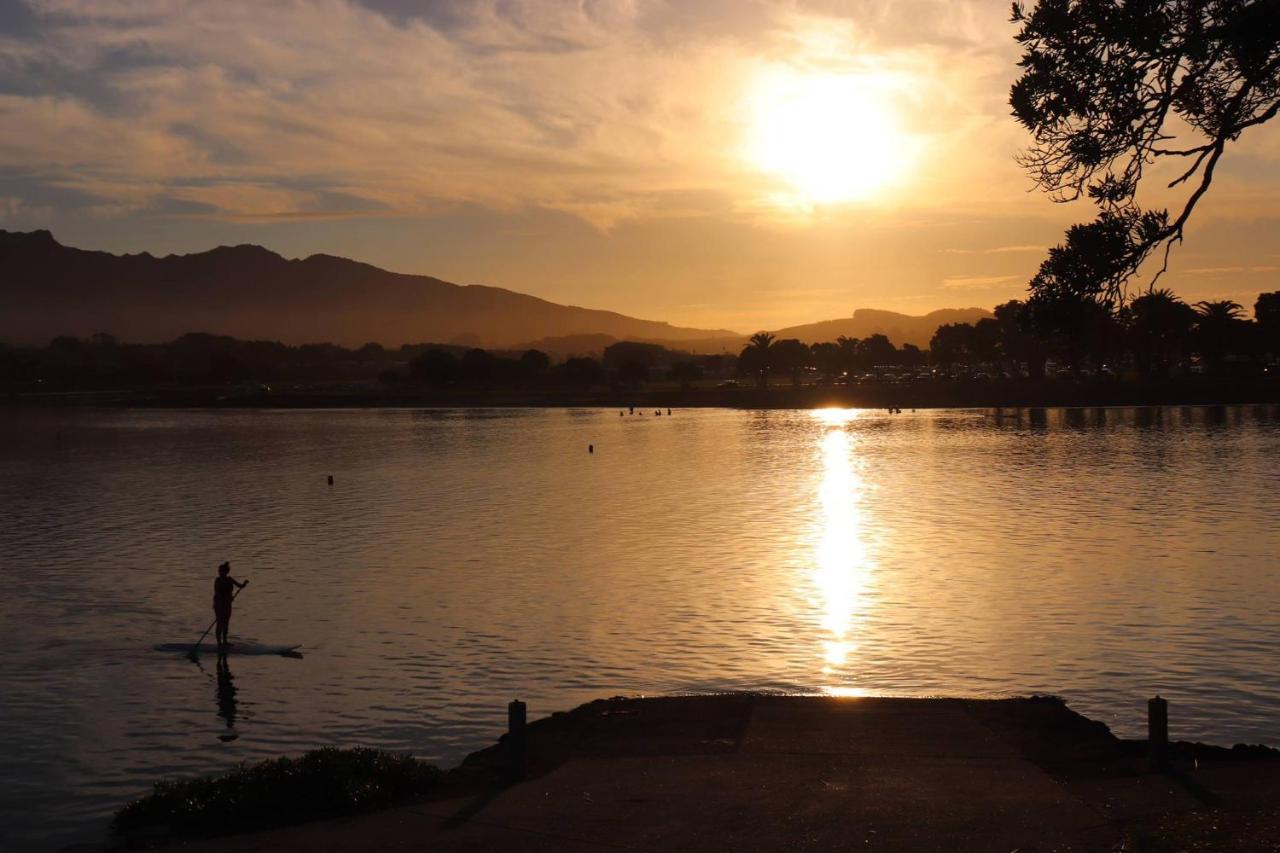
(463,558)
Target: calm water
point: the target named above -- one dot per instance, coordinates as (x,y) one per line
(464,558)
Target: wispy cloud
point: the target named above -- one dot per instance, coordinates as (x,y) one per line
(996,250)
(1226,270)
(606,109)
(977,282)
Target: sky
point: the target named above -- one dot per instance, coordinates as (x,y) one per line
(738,164)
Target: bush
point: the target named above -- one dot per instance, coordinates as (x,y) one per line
(323,783)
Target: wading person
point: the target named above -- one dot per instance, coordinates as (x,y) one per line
(224,587)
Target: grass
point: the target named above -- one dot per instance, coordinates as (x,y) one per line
(322,783)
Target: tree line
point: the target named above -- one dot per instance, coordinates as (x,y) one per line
(1156,336)
(198,359)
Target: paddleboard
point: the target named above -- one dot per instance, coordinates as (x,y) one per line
(232,649)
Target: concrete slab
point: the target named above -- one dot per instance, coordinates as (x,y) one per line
(761,801)
(796,773)
(906,728)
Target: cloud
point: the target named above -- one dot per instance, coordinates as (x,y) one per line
(1225,270)
(977,282)
(606,109)
(996,250)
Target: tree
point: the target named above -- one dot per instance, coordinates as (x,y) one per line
(911,355)
(371,351)
(1266,312)
(1105,87)
(985,342)
(1074,327)
(633,373)
(582,372)
(532,365)
(848,352)
(435,367)
(1018,341)
(790,355)
(535,361)
(684,372)
(950,343)
(827,358)
(477,368)
(1218,327)
(618,354)
(1160,327)
(875,351)
(757,358)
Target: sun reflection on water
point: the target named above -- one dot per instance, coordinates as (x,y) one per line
(842,566)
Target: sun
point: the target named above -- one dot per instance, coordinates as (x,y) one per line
(832,137)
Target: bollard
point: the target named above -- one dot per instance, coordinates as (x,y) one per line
(1157,732)
(516,718)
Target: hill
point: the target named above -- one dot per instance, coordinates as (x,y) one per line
(899,328)
(47,289)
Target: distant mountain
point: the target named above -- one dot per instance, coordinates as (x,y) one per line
(899,328)
(47,289)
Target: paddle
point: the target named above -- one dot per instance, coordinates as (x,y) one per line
(195,650)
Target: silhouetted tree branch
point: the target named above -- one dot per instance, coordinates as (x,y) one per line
(1104,86)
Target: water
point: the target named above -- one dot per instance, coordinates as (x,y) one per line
(463,558)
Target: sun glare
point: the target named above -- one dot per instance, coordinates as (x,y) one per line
(832,137)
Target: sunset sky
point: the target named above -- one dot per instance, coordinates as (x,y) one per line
(726,163)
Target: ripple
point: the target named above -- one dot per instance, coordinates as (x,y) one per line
(466,558)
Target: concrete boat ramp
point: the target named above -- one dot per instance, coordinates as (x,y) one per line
(751,772)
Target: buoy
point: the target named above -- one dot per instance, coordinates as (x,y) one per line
(591,448)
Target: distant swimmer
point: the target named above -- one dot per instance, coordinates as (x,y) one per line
(224,587)
(631,409)
(668,413)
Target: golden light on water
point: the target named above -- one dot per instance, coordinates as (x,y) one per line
(832,137)
(842,566)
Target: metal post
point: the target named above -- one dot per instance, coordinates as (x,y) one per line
(517,716)
(1157,732)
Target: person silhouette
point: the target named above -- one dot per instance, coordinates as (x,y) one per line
(224,587)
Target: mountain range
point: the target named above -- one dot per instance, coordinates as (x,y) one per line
(48,289)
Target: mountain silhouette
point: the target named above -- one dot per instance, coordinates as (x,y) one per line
(48,289)
(899,328)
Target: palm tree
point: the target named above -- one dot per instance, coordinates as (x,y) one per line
(757,357)
(1217,327)
(1161,325)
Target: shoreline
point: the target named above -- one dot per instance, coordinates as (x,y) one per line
(1056,393)
(761,771)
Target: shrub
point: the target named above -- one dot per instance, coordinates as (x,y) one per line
(322,783)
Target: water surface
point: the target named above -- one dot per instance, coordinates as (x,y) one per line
(465,558)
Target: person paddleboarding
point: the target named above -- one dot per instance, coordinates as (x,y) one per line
(224,587)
